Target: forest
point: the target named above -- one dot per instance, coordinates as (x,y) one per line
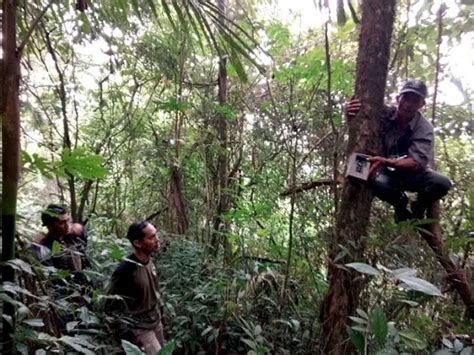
(223,123)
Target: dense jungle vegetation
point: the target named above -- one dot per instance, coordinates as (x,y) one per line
(222,123)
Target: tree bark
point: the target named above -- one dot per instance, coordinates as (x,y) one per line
(10,113)
(178,205)
(178,209)
(220,226)
(354,212)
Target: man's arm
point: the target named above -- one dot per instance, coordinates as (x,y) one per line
(405,164)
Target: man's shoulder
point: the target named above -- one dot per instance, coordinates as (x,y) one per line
(127,267)
(421,123)
(77,229)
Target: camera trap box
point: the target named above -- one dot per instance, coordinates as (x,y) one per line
(358,166)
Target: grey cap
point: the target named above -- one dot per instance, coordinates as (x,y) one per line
(416,86)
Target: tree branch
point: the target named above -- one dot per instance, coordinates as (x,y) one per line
(31,29)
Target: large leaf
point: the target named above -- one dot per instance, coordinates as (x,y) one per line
(20,265)
(79,163)
(417,284)
(79,344)
(405,272)
(168,348)
(413,340)
(364,268)
(358,340)
(378,324)
(131,349)
(37,322)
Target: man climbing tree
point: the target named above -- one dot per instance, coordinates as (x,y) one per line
(407,140)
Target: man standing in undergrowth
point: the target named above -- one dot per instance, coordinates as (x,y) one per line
(407,141)
(136,281)
(72,238)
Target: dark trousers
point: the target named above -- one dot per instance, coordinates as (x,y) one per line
(390,186)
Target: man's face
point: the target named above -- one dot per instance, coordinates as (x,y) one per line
(150,242)
(409,104)
(61,226)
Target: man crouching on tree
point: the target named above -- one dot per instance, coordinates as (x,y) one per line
(136,281)
(407,141)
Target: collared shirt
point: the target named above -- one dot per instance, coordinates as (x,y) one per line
(416,141)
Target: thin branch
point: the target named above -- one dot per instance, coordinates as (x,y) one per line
(438,56)
(32,28)
(308,186)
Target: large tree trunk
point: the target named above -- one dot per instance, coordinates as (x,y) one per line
(10,113)
(353,217)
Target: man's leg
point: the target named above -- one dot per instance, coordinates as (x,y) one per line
(430,187)
(386,186)
(147,340)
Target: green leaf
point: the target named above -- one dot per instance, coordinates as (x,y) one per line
(79,163)
(250,343)
(420,285)
(413,340)
(131,349)
(37,322)
(207,330)
(410,303)
(360,329)
(116,253)
(172,106)
(362,313)
(358,340)
(56,248)
(379,325)
(405,272)
(226,111)
(358,320)
(79,344)
(168,349)
(20,265)
(364,268)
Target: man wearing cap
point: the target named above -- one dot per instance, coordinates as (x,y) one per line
(72,238)
(407,141)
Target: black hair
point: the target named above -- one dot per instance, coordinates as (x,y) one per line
(135,231)
(51,214)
